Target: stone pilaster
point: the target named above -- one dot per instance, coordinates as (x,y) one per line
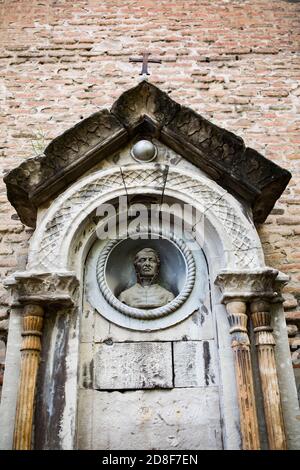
(35,292)
(30,356)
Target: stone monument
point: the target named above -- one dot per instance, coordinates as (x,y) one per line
(151,363)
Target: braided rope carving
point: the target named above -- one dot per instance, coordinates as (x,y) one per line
(156,312)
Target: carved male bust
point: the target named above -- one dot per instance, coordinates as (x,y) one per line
(146,293)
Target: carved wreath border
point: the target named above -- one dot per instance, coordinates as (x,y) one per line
(159,312)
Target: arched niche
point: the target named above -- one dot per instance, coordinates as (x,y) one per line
(68,232)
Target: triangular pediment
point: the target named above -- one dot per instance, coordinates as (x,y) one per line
(148,111)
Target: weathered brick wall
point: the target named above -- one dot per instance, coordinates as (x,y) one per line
(234,61)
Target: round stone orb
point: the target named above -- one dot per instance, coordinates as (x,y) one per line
(144,151)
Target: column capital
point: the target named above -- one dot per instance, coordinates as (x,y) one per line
(41,288)
(246,285)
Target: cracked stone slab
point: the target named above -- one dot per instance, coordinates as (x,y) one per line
(134,366)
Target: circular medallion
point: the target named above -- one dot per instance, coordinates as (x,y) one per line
(147,274)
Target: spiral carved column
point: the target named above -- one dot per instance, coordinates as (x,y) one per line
(265,343)
(240,344)
(30,357)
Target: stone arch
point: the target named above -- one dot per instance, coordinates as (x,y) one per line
(50,246)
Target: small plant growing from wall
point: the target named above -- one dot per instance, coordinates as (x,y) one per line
(39,142)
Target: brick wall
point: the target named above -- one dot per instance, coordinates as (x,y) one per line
(236,62)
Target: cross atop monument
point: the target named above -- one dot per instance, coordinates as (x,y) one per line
(145,60)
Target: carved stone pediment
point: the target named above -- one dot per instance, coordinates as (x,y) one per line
(43,288)
(142,110)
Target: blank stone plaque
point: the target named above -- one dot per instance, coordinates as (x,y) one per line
(133,366)
(177,419)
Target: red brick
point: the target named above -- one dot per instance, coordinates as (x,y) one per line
(49,56)
(293,316)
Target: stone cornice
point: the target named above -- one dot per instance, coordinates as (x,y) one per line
(146,110)
(59,289)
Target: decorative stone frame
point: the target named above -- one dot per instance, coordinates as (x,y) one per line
(65,232)
(151,313)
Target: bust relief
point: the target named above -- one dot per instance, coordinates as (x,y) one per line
(146,293)
(160,276)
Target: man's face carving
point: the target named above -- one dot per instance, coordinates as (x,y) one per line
(146,263)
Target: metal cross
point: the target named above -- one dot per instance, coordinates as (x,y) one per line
(145,60)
